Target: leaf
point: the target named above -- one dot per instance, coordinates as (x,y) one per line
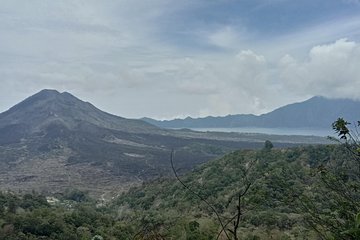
(357,220)
(340,127)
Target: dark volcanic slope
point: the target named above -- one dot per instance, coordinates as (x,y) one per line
(317,112)
(50,106)
(52,141)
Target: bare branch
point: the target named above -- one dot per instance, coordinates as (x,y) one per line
(196,194)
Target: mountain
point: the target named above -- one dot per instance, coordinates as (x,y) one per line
(51,107)
(316,112)
(54,141)
(55,113)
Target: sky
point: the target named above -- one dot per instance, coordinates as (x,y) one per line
(170,59)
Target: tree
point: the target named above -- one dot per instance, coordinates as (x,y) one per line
(268,145)
(333,205)
(230,225)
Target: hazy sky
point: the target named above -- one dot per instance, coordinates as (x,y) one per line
(174,58)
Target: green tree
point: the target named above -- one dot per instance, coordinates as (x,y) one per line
(231,224)
(332,206)
(268,145)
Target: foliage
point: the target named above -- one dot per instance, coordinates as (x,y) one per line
(268,145)
(75,195)
(31,217)
(333,203)
(283,180)
(309,192)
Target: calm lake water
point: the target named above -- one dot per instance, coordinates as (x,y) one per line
(276,131)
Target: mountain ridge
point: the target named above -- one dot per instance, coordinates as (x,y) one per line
(317,112)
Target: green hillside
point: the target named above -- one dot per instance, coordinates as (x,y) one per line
(287,185)
(299,193)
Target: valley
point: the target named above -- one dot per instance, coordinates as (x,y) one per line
(53,141)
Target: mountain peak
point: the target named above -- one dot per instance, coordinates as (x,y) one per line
(317,97)
(43,95)
(42,98)
(50,106)
(323,98)
(52,94)
(48,92)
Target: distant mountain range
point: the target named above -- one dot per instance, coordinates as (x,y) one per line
(315,113)
(52,141)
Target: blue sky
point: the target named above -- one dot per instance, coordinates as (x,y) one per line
(166,58)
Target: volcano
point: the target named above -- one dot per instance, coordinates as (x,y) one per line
(53,141)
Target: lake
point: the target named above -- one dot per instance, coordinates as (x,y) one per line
(276,131)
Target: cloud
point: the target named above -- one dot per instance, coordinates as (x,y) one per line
(250,66)
(330,70)
(225,37)
(162,59)
(300,40)
(249,81)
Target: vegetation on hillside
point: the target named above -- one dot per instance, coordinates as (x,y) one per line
(294,194)
(310,192)
(287,187)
